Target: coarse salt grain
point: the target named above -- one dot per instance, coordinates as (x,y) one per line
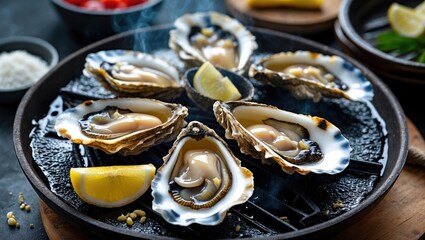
(20,68)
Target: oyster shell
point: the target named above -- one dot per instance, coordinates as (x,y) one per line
(311,75)
(298,143)
(200,179)
(136,73)
(213,37)
(244,86)
(125,125)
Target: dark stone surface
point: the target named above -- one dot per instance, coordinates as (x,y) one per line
(12,182)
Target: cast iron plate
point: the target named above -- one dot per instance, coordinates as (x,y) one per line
(36,102)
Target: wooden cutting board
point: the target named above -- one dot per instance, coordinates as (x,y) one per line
(400,214)
(286,19)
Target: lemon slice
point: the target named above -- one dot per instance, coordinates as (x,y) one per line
(309,4)
(112,186)
(209,82)
(405,21)
(420,9)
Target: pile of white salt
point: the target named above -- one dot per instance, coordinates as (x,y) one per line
(20,68)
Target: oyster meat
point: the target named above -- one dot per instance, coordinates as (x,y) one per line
(213,37)
(125,125)
(134,72)
(200,179)
(311,75)
(298,143)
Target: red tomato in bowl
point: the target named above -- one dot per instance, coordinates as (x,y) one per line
(134,2)
(93,5)
(113,4)
(100,5)
(75,2)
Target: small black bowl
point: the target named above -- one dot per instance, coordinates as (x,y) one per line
(100,24)
(244,86)
(34,46)
(361,21)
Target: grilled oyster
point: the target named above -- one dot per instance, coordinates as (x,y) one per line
(243,85)
(200,179)
(298,143)
(212,37)
(136,73)
(311,75)
(125,125)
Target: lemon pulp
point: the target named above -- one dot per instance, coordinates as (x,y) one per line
(112,186)
(209,82)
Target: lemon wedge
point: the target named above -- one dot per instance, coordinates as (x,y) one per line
(209,82)
(309,4)
(405,21)
(112,186)
(420,9)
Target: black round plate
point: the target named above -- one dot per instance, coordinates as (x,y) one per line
(35,105)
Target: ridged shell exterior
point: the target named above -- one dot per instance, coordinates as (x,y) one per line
(67,125)
(241,189)
(334,146)
(179,37)
(359,87)
(93,67)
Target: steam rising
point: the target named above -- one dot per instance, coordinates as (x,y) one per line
(126,22)
(155,15)
(181,7)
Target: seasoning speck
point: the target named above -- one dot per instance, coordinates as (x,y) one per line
(11,222)
(20,68)
(122,218)
(133,215)
(10,215)
(140,213)
(129,221)
(31,226)
(237,228)
(21,198)
(326,212)
(338,204)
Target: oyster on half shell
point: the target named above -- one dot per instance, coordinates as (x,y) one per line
(213,37)
(311,75)
(200,179)
(125,125)
(298,143)
(136,73)
(243,85)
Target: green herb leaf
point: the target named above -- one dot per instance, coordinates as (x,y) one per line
(393,42)
(421,57)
